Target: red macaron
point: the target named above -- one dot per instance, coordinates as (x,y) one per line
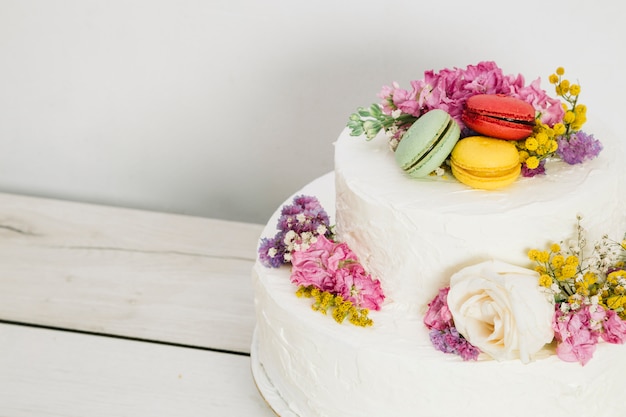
(499,116)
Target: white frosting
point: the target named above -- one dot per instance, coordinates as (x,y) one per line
(321,369)
(413,235)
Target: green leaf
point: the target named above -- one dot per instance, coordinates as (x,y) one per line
(376,111)
(363,112)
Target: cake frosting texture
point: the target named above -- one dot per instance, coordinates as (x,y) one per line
(414,235)
(317,368)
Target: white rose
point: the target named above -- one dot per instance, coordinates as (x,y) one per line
(501,309)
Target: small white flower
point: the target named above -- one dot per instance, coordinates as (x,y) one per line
(439,172)
(396,113)
(321,229)
(272,252)
(301,218)
(289,237)
(306,236)
(287,257)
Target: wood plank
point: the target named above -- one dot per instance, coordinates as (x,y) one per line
(149,275)
(55,373)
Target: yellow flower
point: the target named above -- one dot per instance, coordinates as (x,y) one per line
(574,89)
(544,256)
(553,79)
(540,269)
(616,302)
(569,117)
(559,129)
(614,276)
(560,70)
(545,280)
(572,260)
(580,109)
(533,255)
(555,247)
(532,162)
(553,146)
(532,143)
(623,244)
(523,156)
(558,261)
(541,138)
(568,271)
(589,279)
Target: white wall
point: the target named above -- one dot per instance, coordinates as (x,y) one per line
(223,108)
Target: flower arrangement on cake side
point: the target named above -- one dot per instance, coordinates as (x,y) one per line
(571,298)
(323,269)
(482,101)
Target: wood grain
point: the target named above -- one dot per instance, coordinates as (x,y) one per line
(56,373)
(157,276)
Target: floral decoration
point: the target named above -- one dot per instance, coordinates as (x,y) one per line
(589,290)
(502,310)
(298,226)
(324,269)
(558,121)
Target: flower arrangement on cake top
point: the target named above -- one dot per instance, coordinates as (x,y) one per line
(571,298)
(544,127)
(325,270)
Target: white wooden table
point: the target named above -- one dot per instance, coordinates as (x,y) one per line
(116,312)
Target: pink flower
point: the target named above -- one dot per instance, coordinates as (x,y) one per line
(550,108)
(355,284)
(334,268)
(576,334)
(311,267)
(340,254)
(614,328)
(438,316)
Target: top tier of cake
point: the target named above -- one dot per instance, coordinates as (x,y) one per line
(414,234)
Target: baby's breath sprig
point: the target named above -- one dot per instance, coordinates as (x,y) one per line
(324,301)
(576,279)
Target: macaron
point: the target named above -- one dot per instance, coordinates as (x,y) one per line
(485,163)
(427,143)
(499,116)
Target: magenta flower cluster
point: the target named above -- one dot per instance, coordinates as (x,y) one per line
(443,335)
(578,147)
(448,90)
(578,332)
(305,218)
(333,267)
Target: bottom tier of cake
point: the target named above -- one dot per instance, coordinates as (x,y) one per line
(307,365)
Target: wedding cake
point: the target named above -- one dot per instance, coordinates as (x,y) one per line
(429,266)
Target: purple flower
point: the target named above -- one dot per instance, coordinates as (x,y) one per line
(272,251)
(304,216)
(578,147)
(443,335)
(450,341)
(540,170)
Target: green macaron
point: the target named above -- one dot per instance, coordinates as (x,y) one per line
(427,143)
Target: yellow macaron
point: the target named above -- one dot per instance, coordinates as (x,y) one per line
(485,163)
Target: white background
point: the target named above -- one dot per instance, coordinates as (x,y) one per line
(224,108)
